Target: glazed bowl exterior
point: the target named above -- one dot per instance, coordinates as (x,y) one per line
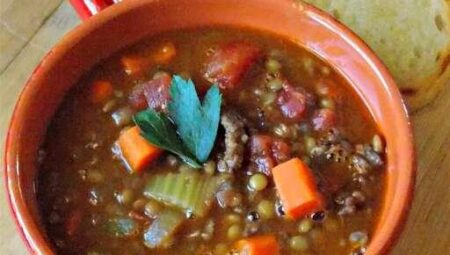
(128,22)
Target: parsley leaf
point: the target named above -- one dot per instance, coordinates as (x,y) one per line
(197,123)
(159,130)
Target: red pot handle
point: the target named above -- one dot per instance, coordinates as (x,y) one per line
(87,8)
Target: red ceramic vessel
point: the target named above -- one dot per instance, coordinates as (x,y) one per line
(126,23)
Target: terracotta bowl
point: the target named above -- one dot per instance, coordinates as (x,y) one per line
(128,22)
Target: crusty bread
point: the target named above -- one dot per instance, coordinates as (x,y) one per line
(412,37)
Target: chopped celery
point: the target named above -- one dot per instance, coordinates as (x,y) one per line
(161,231)
(122,227)
(188,191)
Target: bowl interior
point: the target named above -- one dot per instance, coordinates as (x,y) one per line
(126,23)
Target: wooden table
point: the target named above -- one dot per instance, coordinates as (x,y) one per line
(28,28)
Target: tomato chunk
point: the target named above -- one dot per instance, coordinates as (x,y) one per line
(281,151)
(266,152)
(229,63)
(323,119)
(261,150)
(293,102)
(154,93)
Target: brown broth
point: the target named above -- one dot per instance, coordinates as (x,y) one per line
(79,175)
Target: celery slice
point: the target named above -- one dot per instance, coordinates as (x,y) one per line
(188,191)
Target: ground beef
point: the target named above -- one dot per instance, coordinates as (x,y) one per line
(235,140)
(349,203)
(332,147)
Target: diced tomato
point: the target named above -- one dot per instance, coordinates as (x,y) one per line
(137,97)
(323,119)
(157,92)
(281,151)
(267,151)
(229,63)
(261,149)
(154,93)
(261,144)
(293,102)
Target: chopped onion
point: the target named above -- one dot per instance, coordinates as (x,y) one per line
(122,116)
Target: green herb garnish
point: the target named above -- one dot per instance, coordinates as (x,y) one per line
(196,123)
(159,130)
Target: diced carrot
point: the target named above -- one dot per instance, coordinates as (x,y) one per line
(165,54)
(101,91)
(136,151)
(297,188)
(258,245)
(135,65)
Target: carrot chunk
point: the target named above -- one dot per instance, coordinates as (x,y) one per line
(101,91)
(258,245)
(136,65)
(297,188)
(137,152)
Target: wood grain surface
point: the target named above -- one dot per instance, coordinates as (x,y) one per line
(28,28)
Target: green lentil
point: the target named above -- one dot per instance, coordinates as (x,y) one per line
(210,167)
(273,65)
(268,98)
(325,70)
(258,182)
(232,218)
(327,103)
(275,84)
(299,243)
(305,225)
(234,232)
(266,209)
(377,144)
(308,65)
(310,143)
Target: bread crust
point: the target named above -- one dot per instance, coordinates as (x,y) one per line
(416,49)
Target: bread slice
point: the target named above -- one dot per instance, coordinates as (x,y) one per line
(412,37)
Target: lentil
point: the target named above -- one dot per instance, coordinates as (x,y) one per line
(299,243)
(234,232)
(377,144)
(272,65)
(257,182)
(265,209)
(305,225)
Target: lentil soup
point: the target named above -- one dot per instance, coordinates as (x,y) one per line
(281,157)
